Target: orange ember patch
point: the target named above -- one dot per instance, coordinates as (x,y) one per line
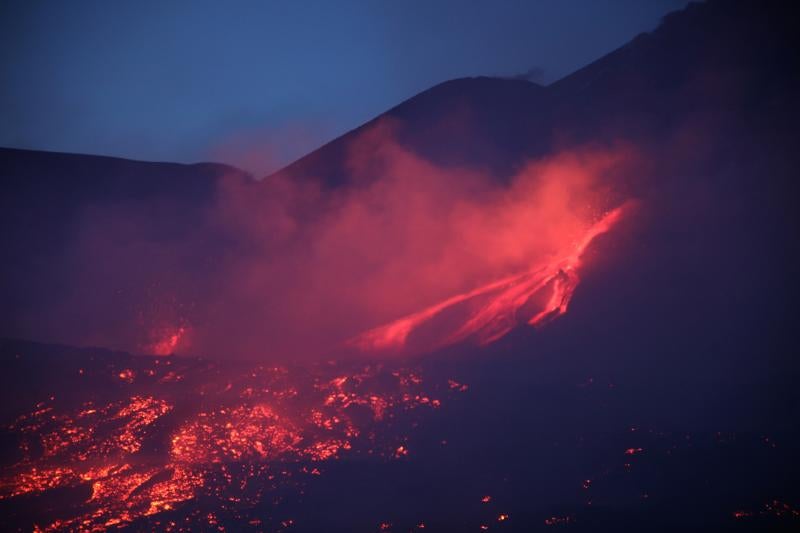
(558,520)
(249,435)
(238,433)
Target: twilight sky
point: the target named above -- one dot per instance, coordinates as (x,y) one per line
(258,84)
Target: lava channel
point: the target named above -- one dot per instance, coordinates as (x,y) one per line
(489,312)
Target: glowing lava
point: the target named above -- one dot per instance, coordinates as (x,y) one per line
(535,297)
(238,437)
(168,341)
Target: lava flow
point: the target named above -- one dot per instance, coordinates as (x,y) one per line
(177,431)
(168,341)
(534,297)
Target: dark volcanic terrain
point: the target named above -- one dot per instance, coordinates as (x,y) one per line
(665,398)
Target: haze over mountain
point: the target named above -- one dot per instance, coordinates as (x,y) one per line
(697,117)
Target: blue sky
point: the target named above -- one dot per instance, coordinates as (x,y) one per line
(258,84)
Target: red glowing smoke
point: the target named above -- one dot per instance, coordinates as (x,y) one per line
(506,303)
(403,236)
(291,268)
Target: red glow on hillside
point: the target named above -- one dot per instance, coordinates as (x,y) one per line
(318,266)
(504,303)
(167,340)
(290,268)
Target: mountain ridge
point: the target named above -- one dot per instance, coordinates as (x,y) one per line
(725,116)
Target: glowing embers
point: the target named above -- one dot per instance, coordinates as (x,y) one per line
(775,509)
(119,427)
(491,311)
(242,432)
(235,438)
(139,414)
(37,480)
(180,486)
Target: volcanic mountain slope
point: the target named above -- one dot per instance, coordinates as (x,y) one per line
(665,398)
(712,87)
(707,101)
(477,122)
(712,58)
(50,200)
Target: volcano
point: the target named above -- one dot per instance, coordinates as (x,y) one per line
(499,306)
